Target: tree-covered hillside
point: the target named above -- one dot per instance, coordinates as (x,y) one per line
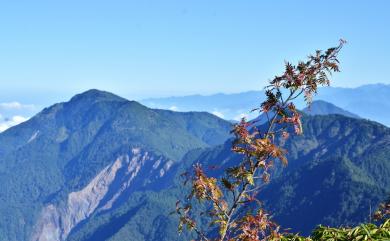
(340,170)
(337,170)
(100,167)
(65,146)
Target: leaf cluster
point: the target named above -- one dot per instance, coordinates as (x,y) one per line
(361,232)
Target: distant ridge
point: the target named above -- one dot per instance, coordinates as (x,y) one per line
(368,101)
(320,107)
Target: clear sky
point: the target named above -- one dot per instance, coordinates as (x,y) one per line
(145,48)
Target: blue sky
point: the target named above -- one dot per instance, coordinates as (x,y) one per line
(51,50)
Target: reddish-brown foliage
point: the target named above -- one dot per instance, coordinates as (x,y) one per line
(229,196)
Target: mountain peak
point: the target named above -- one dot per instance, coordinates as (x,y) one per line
(96,95)
(80,103)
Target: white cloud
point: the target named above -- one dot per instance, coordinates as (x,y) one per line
(15,106)
(19,119)
(240,116)
(173,108)
(15,120)
(219,114)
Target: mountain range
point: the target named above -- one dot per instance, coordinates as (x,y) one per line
(100,167)
(320,107)
(368,101)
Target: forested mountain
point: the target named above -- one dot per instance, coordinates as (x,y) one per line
(100,167)
(87,155)
(338,171)
(338,174)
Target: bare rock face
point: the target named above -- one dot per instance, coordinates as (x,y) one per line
(56,221)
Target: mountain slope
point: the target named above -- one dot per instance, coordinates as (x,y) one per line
(337,170)
(100,167)
(53,162)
